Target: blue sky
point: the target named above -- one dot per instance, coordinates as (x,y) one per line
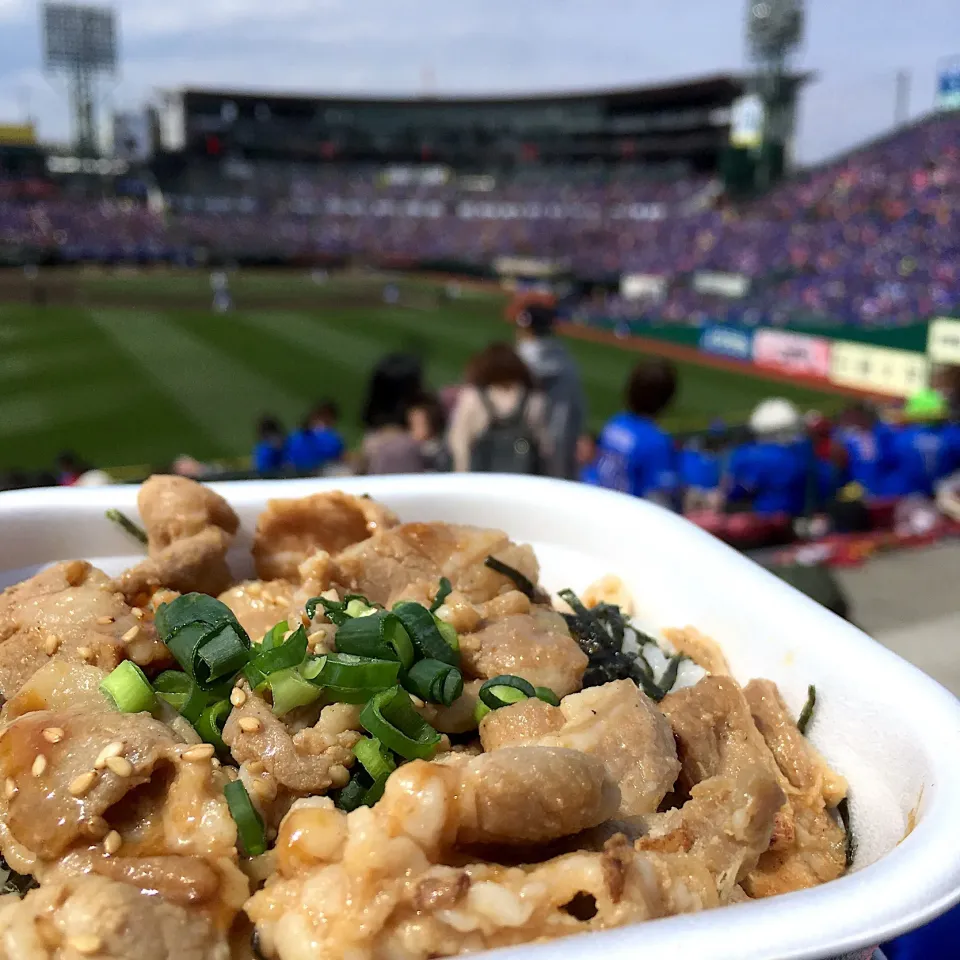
(856,46)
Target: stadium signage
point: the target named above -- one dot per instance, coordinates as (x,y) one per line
(943,341)
(895,373)
(792,353)
(731,285)
(526,267)
(643,286)
(726,341)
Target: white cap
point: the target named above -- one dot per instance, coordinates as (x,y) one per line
(94,478)
(775,416)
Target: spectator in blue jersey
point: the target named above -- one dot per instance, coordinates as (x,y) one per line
(587,458)
(328,442)
(701,468)
(635,454)
(867,442)
(316,443)
(269,453)
(770,474)
(916,446)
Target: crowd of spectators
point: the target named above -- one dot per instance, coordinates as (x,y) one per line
(869,239)
(517,413)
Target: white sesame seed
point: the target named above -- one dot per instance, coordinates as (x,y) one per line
(202,751)
(131,634)
(39,765)
(85,653)
(86,943)
(416,701)
(237,697)
(51,644)
(138,613)
(112,843)
(121,766)
(9,788)
(250,725)
(53,734)
(80,786)
(103,621)
(113,749)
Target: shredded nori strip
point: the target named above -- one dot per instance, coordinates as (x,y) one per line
(601,631)
(850,842)
(806,715)
(13,882)
(522,583)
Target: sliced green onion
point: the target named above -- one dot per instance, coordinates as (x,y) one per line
(273,637)
(547,696)
(211,722)
(335,610)
(375,757)
(522,583)
(391,718)
(346,670)
(422,627)
(222,654)
(353,794)
(191,608)
(380,637)
(204,637)
(127,525)
(181,693)
(504,690)
(290,690)
(359,608)
(444,591)
(434,681)
(252,836)
(312,666)
(128,688)
(379,764)
(448,632)
(289,653)
(806,715)
(480,710)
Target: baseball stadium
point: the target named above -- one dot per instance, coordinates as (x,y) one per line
(649,304)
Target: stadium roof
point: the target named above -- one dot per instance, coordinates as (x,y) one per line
(720,86)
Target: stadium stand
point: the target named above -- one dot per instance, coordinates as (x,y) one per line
(869,240)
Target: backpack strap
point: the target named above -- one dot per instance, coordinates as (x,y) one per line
(519,413)
(492,414)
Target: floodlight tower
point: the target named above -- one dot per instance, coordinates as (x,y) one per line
(80,42)
(774,35)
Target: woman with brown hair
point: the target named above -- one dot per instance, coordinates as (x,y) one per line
(499,423)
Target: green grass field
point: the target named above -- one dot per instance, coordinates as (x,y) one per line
(125,385)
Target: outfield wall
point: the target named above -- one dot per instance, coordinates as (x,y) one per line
(892,362)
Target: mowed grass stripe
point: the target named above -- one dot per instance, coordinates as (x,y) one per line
(216,392)
(68,387)
(308,359)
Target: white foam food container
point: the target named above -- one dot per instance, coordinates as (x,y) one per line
(890,729)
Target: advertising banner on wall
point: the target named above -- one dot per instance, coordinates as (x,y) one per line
(643,286)
(727,341)
(792,353)
(895,373)
(943,341)
(733,285)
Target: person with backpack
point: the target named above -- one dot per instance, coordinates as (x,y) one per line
(499,423)
(556,374)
